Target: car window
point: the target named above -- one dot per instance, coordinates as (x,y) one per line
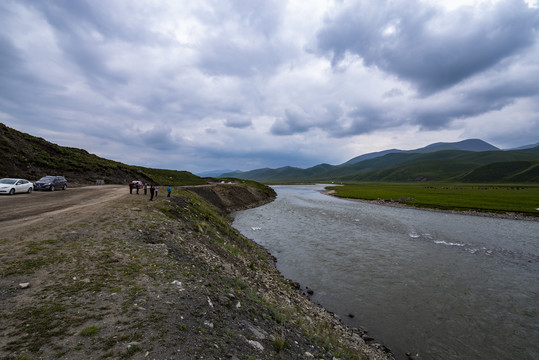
(7,181)
(46,178)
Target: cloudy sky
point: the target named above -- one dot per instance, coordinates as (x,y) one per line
(216,84)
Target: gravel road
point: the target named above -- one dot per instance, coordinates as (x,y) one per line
(20,210)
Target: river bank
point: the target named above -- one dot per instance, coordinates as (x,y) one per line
(167,279)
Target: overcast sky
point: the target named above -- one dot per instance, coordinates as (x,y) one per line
(204,85)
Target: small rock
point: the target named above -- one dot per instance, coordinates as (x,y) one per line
(256,345)
(24,285)
(131,344)
(208,324)
(257,332)
(308,355)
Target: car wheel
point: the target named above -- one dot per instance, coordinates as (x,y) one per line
(64,187)
(12,191)
(52,187)
(29,190)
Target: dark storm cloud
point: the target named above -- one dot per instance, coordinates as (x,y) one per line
(297,120)
(494,96)
(294,121)
(425,45)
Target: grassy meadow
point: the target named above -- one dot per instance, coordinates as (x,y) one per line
(495,198)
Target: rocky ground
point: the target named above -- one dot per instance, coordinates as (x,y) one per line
(126,278)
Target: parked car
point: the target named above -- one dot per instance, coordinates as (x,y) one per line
(51,183)
(12,186)
(134,184)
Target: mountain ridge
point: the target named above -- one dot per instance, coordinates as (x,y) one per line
(435,162)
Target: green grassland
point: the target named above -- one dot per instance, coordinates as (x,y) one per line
(496,198)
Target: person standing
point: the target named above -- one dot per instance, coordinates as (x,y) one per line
(130,188)
(152,190)
(137,185)
(145,188)
(169,190)
(156,190)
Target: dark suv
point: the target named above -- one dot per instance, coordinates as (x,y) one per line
(51,183)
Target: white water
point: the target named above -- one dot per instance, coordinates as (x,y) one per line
(441,285)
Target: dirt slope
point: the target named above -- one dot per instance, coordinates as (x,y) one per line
(96,273)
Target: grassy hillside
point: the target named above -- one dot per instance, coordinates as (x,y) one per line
(445,165)
(30,157)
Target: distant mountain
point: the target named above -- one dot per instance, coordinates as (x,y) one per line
(468,160)
(466,145)
(370,156)
(216,173)
(530,146)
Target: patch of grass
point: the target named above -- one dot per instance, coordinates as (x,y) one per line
(30,266)
(131,350)
(89,331)
(280,343)
(39,324)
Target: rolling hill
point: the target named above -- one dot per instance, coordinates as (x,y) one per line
(31,157)
(466,161)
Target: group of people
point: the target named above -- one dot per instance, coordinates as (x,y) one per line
(154,189)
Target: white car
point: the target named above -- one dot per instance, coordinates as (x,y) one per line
(12,186)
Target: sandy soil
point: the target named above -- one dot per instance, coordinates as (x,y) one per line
(73,204)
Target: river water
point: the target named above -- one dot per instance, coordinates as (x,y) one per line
(441,285)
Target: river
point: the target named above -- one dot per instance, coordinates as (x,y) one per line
(440,285)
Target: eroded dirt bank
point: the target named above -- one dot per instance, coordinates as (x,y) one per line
(124,277)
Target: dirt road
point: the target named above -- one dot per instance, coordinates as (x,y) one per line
(20,210)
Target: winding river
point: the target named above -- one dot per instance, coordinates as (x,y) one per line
(440,285)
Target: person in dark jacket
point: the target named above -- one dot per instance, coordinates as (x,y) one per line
(169,190)
(152,190)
